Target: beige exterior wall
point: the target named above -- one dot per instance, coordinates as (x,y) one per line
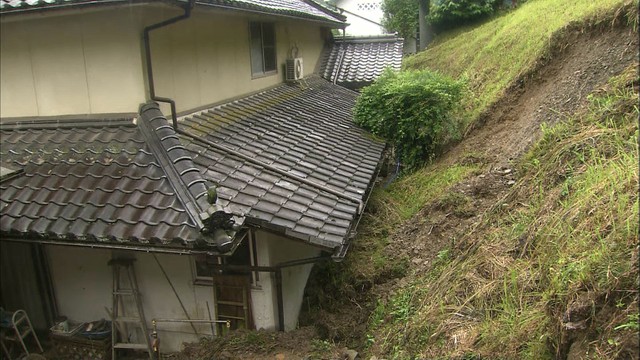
(92,62)
(82,283)
(206,59)
(71,64)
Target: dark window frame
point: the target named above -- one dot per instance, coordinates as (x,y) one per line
(248,244)
(263,61)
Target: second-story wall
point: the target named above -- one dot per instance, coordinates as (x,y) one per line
(207,59)
(71,64)
(91,61)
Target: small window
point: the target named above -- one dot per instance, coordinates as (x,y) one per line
(263,48)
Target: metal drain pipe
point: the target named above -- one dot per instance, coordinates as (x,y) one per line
(147,50)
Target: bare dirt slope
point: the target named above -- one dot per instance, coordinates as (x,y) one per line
(583,61)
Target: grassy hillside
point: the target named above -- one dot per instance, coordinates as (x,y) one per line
(564,255)
(493,56)
(551,267)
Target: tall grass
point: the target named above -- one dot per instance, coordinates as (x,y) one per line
(496,54)
(571,239)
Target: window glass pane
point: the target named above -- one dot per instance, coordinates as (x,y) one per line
(256,48)
(269,59)
(268,35)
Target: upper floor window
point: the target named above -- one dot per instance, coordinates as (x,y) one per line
(263,48)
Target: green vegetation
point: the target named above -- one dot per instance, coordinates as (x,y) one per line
(415,110)
(401,16)
(562,244)
(570,243)
(496,54)
(453,13)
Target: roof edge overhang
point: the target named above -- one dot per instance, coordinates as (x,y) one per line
(109,246)
(68,121)
(79,5)
(334,249)
(333,24)
(111,3)
(342,251)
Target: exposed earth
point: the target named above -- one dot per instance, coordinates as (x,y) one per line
(582,61)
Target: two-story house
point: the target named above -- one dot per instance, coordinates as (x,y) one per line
(164,132)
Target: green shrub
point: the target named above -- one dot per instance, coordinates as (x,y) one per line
(415,110)
(452,13)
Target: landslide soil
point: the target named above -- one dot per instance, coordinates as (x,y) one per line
(581,61)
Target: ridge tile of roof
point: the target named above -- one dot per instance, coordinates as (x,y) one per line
(289,159)
(355,62)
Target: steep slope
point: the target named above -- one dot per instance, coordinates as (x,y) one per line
(445,265)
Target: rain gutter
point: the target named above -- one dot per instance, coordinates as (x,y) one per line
(149,67)
(141,248)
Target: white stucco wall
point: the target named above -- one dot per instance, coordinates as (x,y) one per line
(91,62)
(364,17)
(82,283)
(272,250)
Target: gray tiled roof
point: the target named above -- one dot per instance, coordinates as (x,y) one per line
(357,61)
(293,8)
(289,158)
(102,181)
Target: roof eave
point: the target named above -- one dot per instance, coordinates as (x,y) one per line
(310,18)
(142,247)
(104,3)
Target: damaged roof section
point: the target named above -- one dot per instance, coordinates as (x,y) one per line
(103,181)
(304,9)
(289,159)
(355,62)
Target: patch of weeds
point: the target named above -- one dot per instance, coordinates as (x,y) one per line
(631,324)
(321,347)
(411,193)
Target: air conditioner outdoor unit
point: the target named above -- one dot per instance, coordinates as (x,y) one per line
(294,69)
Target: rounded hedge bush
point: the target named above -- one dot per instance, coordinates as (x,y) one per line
(415,110)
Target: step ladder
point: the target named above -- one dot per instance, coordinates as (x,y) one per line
(127,321)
